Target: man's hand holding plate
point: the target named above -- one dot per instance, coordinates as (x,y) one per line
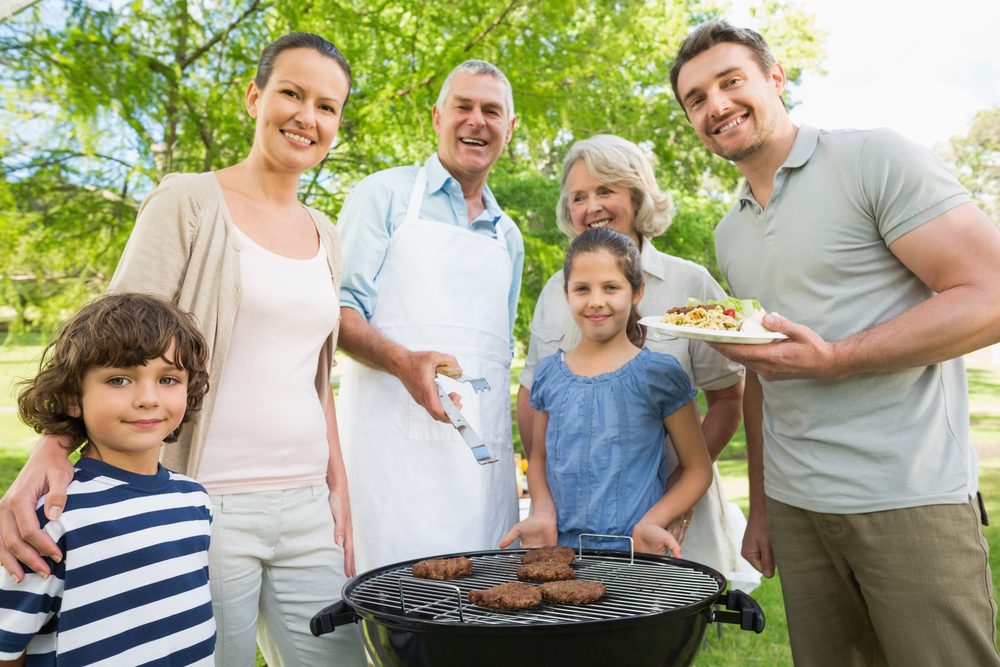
(803,356)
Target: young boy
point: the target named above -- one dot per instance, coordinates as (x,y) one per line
(123,374)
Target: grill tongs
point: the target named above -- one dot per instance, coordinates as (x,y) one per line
(476,444)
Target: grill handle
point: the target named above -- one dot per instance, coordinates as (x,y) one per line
(339,613)
(743,611)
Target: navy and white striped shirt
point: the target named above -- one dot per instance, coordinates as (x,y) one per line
(132,588)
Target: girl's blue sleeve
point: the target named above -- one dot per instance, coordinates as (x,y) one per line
(669,387)
(541,384)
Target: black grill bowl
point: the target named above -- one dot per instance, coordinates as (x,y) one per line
(421,638)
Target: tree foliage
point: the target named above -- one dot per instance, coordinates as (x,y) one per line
(106,99)
(976,158)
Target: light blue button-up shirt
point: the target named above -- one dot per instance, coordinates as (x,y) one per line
(375,209)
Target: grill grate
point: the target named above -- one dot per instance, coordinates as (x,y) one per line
(634,588)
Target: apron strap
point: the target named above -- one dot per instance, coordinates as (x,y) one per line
(417,196)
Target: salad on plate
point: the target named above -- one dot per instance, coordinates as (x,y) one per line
(727,314)
(726,320)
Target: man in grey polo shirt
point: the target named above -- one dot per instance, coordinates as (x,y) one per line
(862,476)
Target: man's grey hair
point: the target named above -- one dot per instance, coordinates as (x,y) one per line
(478,67)
(617,161)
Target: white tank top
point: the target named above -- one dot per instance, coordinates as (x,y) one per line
(268,429)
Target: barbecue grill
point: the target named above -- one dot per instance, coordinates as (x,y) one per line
(655,613)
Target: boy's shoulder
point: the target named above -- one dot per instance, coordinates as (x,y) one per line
(91,474)
(96,484)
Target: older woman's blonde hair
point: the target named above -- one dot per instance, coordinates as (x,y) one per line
(618,161)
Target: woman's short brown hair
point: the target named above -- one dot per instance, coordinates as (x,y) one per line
(116,330)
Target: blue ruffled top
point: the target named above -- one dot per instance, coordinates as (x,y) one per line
(605,461)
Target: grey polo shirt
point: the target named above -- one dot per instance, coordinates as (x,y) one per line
(818,254)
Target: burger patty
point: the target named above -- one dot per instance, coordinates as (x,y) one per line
(507,597)
(680,310)
(573,592)
(442,568)
(548,571)
(562,555)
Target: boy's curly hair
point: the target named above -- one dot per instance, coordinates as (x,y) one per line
(116,330)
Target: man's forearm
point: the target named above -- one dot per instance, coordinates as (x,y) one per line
(725,411)
(416,370)
(360,341)
(946,326)
(957,255)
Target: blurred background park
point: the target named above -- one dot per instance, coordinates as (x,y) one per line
(99,100)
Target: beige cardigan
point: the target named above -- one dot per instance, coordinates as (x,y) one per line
(184,248)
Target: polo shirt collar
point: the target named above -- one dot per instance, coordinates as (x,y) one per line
(438,177)
(802,149)
(492,208)
(649,256)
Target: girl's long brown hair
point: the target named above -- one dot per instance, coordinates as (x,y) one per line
(626,253)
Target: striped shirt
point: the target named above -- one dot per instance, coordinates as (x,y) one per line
(132,588)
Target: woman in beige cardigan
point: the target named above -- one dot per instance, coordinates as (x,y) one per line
(261,273)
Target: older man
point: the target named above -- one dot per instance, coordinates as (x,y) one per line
(432,272)
(862,476)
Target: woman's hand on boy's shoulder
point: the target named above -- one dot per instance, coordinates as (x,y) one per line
(538,530)
(652,539)
(48,471)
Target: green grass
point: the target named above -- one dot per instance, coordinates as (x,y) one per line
(984,385)
(16,363)
(18,360)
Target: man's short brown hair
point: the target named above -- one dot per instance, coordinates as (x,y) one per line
(116,330)
(715,32)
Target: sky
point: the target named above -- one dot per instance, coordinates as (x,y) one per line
(921,68)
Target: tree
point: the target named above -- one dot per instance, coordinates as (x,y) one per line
(976,159)
(114,99)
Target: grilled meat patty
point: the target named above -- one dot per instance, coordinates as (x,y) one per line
(507,597)
(442,568)
(547,571)
(687,309)
(573,592)
(563,555)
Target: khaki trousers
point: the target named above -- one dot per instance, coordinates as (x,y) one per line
(272,565)
(899,588)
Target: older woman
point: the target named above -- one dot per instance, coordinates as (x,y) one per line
(608,182)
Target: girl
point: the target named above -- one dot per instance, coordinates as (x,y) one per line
(261,272)
(597,464)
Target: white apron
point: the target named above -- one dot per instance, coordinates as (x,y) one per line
(416,490)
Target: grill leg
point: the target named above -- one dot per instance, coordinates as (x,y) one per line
(718,629)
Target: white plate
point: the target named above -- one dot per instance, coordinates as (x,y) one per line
(711,335)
